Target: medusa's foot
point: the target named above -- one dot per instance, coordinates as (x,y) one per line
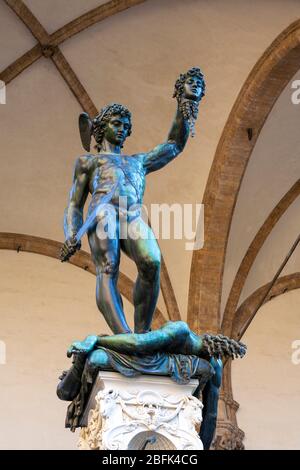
(83,347)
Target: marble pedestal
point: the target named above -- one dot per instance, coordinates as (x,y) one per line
(151,412)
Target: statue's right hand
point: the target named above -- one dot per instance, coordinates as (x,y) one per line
(69,248)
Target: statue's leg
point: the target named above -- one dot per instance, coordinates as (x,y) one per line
(106,256)
(99,358)
(210,398)
(142,247)
(70,381)
(169,338)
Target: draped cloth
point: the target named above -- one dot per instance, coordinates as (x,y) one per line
(179,367)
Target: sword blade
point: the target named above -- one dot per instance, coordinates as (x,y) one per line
(92,217)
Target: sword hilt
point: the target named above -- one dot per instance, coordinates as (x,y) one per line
(69,250)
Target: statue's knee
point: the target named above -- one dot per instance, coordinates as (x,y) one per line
(109,266)
(68,388)
(149,268)
(63,394)
(97,358)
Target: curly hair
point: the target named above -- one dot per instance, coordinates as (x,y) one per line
(102,119)
(222,346)
(179,85)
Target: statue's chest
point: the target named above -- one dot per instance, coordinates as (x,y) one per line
(120,167)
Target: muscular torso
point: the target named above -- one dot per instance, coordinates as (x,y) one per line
(104,171)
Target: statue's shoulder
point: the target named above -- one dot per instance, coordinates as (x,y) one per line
(139,157)
(84,162)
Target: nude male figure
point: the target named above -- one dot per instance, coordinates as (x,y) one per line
(111,171)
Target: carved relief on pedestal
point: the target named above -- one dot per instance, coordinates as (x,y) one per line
(121,415)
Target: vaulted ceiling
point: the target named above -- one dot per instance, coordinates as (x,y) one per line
(60,57)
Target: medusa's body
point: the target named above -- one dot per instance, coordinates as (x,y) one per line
(173,338)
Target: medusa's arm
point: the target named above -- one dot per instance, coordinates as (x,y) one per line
(210,398)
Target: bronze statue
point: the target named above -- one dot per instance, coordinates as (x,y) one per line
(173,350)
(109,175)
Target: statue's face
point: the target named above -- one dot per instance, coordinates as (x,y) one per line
(117,130)
(193,88)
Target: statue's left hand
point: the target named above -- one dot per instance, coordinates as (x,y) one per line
(188,108)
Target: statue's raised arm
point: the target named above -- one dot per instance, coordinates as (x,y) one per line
(189,90)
